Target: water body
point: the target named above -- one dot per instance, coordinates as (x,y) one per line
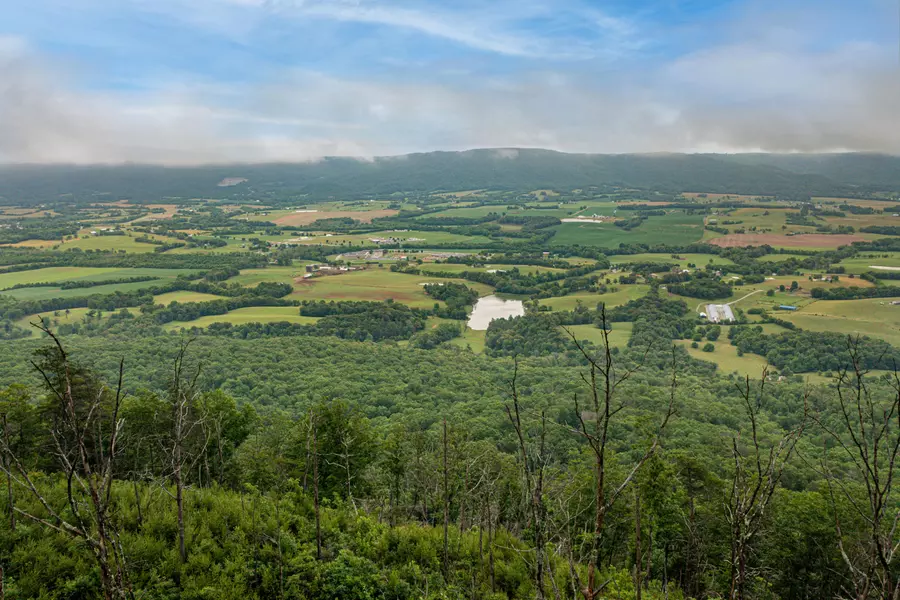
(493,307)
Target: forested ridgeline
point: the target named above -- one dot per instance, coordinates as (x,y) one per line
(321,468)
(762,174)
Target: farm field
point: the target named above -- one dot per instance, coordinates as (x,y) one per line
(60,317)
(470,212)
(44,293)
(864,262)
(780,257)
(814,241)
(618,336)
(675,229)
(253,277)
(184,297)
(624,294)
(726,358)
(240,316)
(304,217)
(114,242)
(375,285)
(457,268)
(683,260)
(873,317)
(54,274)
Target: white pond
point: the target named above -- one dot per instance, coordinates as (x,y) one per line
(493,307)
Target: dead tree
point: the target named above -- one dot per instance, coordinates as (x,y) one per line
(868,433)
(757,474)
(603,380)
(84,432)
(314,451)
(184,422)
(533,475)
(446,490)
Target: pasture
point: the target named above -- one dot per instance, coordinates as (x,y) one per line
(60,274)
(622,295)
(676,229)
(457,268)
(61,317)
(682,260)
(618,335)
(726,359)
(812,241)
(864,262)
(184,297)
(241,316)
(376,284)
(873,317)
(116,243)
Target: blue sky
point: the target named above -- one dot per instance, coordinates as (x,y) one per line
(192,81)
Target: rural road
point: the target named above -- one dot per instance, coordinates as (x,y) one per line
(702,304)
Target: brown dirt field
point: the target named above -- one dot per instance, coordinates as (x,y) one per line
(306,218)
(33,244)
(813,240)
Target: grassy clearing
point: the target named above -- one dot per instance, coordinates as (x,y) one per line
(253,314)
(184,297)
(862,263)
(375,285)
(618,337)
(676,228)
(114,242)
(470,212)
(624,294)
(455,268)
(872,317)
(60,317)
(726,359)
(780,257)
(253,277)
(53,274)
(683,260)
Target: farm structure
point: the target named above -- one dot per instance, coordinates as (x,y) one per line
(719,313)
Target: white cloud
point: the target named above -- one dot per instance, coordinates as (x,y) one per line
(754,93)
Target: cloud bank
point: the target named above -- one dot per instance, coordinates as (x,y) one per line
(747,93)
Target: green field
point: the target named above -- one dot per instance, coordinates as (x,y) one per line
(184,297)
(472,212)
(624,294)
(54,274)
(780,257)
(253,314)
(675,229)
(114,242)
(375,284)
(683,260)
(726,358)
(60,317)
(873,317)
(252,277)
(456,268)
(864,262)
(618,336)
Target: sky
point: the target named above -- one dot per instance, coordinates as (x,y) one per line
(214,81)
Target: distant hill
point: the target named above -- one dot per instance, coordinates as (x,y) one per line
(757,174)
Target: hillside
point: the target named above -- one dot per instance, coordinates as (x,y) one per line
(784,175)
